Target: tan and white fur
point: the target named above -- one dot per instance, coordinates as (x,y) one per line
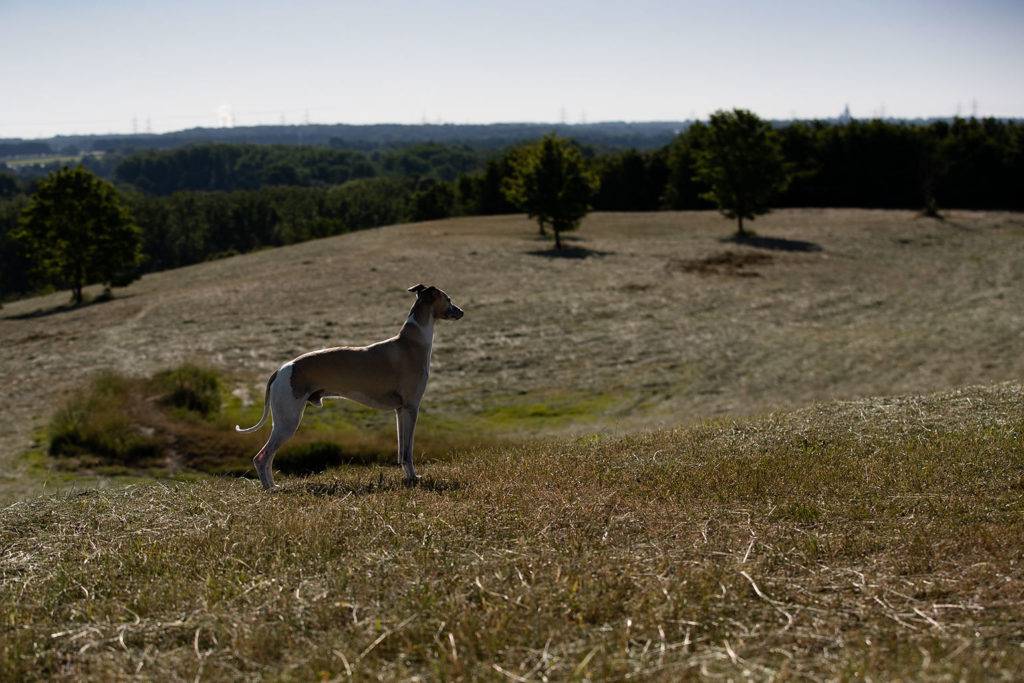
(389,375)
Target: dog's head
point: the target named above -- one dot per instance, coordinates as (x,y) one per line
(439,302)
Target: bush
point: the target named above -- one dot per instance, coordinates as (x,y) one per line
(124,422)
(191,388)
(309,458)
(94,426)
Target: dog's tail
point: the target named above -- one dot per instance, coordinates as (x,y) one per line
(266,407)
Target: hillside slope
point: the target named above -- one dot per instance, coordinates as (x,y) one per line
(879,538)
(653,321)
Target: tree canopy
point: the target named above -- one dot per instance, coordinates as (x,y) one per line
(740,159)
(205,201)
(552,183)
(76,232)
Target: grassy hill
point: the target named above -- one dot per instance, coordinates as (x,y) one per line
(877,539)
(622,477)
(656,322)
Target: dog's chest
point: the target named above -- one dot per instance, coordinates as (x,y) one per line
(426,372)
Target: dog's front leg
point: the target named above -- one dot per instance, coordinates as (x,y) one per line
(406,416)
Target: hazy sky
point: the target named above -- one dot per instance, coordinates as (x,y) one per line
(100,66)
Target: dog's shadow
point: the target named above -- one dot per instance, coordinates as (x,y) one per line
(381,484)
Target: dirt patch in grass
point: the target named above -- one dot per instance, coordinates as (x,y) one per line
(728,263)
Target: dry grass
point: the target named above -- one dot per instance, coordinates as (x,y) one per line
(869,538)
(889,303)
(877,539)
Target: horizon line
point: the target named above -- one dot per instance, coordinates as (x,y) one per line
(452,124)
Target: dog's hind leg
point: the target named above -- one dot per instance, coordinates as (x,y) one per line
(284,428)
(287,413)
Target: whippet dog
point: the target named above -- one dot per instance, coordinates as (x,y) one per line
(388,375)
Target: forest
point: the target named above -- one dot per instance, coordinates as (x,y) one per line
(202,201)
(367,137)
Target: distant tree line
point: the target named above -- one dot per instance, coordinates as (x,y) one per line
(968,164)
(190,226)
(971,164)
(225,168)
(24,148)
(199,202)
(371,137)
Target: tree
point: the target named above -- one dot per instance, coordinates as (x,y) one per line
(436,200)
(631,180)
(682,190)
(76,232)
(550,181)
(741,161)
(8,185)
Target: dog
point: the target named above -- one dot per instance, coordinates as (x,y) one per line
(389,375)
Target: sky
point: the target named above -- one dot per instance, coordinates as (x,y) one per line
(72,67)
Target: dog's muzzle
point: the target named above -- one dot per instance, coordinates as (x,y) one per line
(453,312)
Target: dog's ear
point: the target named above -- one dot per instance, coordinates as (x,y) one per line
(417,288)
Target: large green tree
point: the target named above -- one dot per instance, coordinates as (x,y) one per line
(551,182)
(76,232)
(741,160)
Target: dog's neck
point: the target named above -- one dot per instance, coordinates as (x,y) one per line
(420,322)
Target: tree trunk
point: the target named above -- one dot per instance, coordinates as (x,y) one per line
(558,239)
(77,283)
(740,232)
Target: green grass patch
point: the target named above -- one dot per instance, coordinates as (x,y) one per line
(543,410)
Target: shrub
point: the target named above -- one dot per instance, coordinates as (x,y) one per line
(309,458)
(119,421)
(191,388)
(94,425)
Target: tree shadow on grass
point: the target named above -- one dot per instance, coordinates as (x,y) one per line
(381,484)
(773,243)
(65,308)
(569,253)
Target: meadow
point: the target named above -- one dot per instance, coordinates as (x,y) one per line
(662,455)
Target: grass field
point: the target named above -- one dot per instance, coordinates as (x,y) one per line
(844,304)
(667,455)
(879,539)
